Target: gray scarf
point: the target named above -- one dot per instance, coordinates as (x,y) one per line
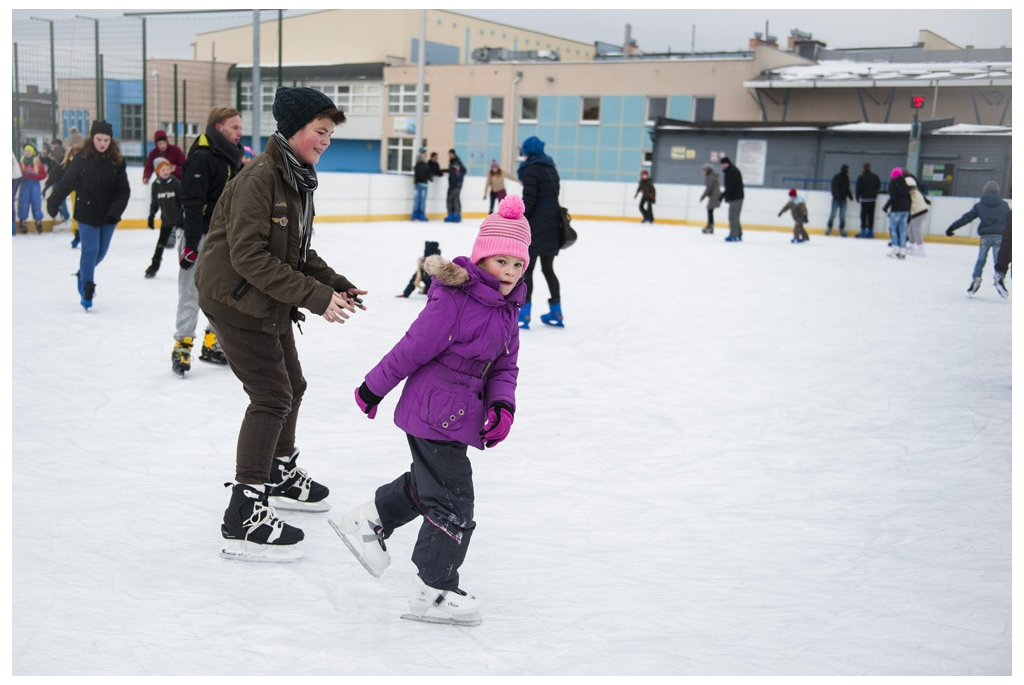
(303,177)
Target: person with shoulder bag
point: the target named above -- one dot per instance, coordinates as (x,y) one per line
(541,186)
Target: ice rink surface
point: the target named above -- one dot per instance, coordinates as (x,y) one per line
(735,459)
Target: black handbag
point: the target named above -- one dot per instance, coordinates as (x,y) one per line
(568,233)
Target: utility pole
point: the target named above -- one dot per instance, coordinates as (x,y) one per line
(914,145)
(53,82)
(99,70)
(421,72)
(257,88)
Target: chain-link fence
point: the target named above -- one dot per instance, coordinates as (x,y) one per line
(69,72)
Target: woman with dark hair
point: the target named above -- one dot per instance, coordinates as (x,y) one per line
(541,185)
(99,180)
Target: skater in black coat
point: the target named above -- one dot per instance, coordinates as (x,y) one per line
(165,197)
(867,188)
(733,195)
(541,186)
(840,194)
(97,175)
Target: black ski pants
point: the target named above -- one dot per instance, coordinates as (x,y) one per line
(439,487)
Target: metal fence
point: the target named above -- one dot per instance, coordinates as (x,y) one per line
(68,73)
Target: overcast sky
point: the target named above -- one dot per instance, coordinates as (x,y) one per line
(655,30)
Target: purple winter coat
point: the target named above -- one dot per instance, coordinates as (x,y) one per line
(459,355)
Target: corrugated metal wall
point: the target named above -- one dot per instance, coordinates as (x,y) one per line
(809,159)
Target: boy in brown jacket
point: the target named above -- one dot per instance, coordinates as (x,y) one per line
(256,270)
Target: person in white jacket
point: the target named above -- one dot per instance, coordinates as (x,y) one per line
(918,208)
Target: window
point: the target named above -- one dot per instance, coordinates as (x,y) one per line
(402,99)
(528,110)
(656,107)
(131,122)
(590,110)
(190,129)
(354,99)
(647,157)
(400,155)
(497,110)
(704,109)
(267,102)
(462,109)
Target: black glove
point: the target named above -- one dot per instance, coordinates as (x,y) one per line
(149,221)
(367,401)
(188,258)
(111,220)
(949,231)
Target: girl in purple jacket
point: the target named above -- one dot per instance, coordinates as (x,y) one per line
(459,359)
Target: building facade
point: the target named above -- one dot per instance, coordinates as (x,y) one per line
(380,35)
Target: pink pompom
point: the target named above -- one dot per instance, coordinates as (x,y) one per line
(896,173)
(511,207)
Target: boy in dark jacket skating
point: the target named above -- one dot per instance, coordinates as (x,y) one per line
(991,212)
(165,197)
(459,363)
(256,270)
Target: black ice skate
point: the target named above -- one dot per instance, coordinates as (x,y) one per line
(1001,285)
(973,287)
(252,531)
(291,488)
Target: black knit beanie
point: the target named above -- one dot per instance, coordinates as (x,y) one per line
(296,107)
(101,126)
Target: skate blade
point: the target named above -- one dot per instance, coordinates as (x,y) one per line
(355,551)
(468,620)
(288,504)
(251,551)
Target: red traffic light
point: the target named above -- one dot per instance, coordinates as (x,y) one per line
(917,101)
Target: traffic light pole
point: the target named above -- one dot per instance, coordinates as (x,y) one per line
(914,145)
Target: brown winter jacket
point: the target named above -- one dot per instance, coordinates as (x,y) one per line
(712,191)
(248,273)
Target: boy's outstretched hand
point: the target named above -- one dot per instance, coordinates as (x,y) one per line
(498,424)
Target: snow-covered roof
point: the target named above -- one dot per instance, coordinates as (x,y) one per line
(851,74)
(867,127)
(859,127)
(973,130)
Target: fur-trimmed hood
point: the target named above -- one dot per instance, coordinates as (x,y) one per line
(448,273)
(462,273)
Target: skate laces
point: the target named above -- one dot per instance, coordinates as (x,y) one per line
(261,515)
(295,478)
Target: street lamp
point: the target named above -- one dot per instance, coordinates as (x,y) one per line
(53,81)
(96,43)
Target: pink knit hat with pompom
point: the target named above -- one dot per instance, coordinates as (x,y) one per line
(505,232)
(896,173)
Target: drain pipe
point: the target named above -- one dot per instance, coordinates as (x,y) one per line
(513,150)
